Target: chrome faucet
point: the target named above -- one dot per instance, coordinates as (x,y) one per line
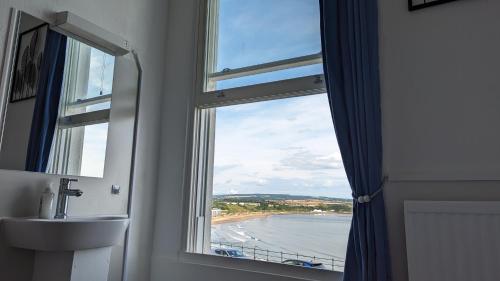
(62,197)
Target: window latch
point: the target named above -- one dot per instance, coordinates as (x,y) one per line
(220,94)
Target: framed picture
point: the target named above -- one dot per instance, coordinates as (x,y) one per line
(420,4)
(28,63)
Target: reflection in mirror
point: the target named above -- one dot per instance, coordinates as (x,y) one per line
(56,120)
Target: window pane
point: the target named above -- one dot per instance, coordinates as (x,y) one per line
(101,70)
(87,87)
(258,31)
(253,32)
(280,192)
(94,150)
(79,151)
(88,74)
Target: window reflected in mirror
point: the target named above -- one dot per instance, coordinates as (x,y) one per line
(57,115)
(79,146)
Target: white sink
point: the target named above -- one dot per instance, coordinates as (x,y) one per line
(71,234)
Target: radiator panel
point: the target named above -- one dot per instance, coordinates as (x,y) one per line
(453,241)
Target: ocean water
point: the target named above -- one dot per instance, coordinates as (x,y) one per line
(322,237)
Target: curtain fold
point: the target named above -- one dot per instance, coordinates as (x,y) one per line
(47,103)
(349,31)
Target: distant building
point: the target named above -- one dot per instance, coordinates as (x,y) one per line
(249,204)
(216,212)
(243,203)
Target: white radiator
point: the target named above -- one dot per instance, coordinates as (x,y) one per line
(453,241)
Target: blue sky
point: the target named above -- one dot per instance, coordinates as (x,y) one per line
(282,146)
(260,31)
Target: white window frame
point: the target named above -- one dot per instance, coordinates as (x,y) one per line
(69,143)
(199,161)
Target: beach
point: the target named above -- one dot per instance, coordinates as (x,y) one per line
(241,217)
(255,215)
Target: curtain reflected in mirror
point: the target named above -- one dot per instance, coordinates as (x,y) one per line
(58,113)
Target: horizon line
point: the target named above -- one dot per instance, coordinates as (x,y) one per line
(287,194)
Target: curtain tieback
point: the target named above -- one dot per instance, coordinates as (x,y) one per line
(367,198)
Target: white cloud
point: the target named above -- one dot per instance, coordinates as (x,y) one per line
(284,146)
(304,159)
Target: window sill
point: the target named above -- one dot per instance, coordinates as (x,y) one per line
(260,267)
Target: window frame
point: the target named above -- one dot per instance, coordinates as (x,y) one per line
(200,145)
(207,56)
(84,118)
(68,142)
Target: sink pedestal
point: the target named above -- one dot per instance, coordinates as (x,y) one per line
(73,249)
(82,265)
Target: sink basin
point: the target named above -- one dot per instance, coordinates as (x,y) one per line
(71,234)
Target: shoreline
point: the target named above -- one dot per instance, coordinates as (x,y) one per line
(248,216)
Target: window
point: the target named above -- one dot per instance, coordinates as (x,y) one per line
(79,146)
(267,180)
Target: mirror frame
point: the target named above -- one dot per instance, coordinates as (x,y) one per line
(9,61)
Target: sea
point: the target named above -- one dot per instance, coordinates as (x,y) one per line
(316,237)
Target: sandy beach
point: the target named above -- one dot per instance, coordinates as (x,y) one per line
(256,215)
(241,217)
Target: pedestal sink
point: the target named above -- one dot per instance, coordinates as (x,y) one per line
(72,249)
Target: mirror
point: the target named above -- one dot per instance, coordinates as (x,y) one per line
(57,109)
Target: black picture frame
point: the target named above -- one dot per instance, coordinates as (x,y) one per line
(28,62)
(414,5)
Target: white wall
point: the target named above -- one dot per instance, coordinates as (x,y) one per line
(440,106)
(16,135)
(17,125)
(144,24)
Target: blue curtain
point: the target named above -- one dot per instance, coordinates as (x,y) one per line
(349,30)
(47,103)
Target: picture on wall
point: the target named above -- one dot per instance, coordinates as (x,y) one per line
(420,4)
(28,63)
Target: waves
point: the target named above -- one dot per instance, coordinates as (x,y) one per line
(308,235)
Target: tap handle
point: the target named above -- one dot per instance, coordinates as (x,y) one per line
(68,180)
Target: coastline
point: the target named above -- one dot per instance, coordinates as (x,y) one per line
(241,217)
(248,216)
